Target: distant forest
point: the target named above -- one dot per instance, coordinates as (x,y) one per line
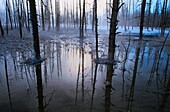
(54,13)
(74,13)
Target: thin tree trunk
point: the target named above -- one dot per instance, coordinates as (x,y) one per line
(42,16)
(57,14)
(80,18)
(149,14)
(14,13)
(123,15)
(83,19)
(163,17)
(52,14)
(6,17)
(9,13)
(142,19)
(93,17)
(2,31)
(28,16)
(96,27)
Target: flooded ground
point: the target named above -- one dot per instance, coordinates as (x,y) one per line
(70,81)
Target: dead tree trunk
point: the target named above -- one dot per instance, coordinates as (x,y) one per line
(163,17)
(52,14)
(57,14)
(80,18)
(14,12)
(142,18)
(83,20)
(123,17)
(113,28)
(6,17)
(19,18)
(28,17)
(149,14)
(9,13)
(2,31)
(42,16)
(35,29)
(156,13)
(96,27)
(93,16)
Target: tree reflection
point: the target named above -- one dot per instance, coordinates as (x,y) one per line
(108,88)
(39,88)
(94,84)
(132,88)
(165,97)
(82,51)
(59,66)
(7,81)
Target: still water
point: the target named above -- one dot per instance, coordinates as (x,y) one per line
(70,81)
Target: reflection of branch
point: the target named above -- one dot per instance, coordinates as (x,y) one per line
(124,64)
(28,88)
(7,81)
(93,91)
(49,100)
(153,69)
(165,97)
(110,71)
(77,84)
(82,74)
(132,88)
(166,71)
(59,66)
(162,49)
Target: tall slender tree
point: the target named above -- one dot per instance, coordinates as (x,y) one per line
(96,27)
(163,17)
(113,28)
(1,28)
(142,18)
(34,22)
(42,15)
(28,16)
(80,28)
(83,19)
(7,17)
